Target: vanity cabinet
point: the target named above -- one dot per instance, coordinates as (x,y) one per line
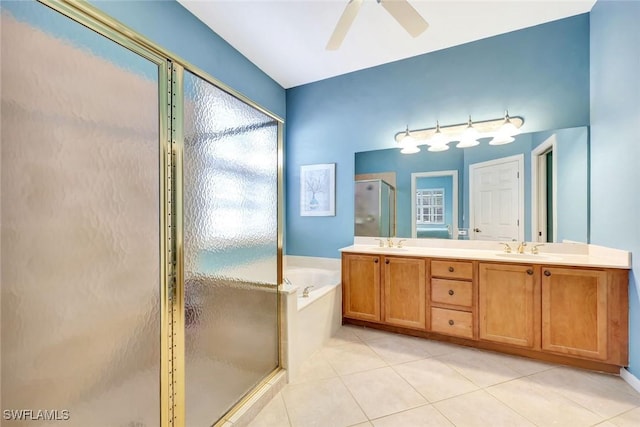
(452,298)
(575,312)
(405,295)
(567,314)
(361,287)
(509,304)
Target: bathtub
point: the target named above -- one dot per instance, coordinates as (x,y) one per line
(309,322)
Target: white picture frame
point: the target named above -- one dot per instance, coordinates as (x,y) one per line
(318,190)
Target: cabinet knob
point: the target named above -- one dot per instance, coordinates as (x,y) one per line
(375,260)
(547,273)
(530,272)
(386,261)
(450,269)
(451,322)
(451,292)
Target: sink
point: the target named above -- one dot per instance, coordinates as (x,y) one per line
(385,249)
(527,257)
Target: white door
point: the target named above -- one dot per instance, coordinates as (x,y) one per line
(496,199)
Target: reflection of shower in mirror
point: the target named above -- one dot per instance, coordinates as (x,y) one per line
(374,208)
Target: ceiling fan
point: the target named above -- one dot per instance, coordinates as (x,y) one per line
(401,10)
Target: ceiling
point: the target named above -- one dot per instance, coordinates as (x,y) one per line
(287,38)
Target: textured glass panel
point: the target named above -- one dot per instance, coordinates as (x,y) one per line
(230,246)
(80,226)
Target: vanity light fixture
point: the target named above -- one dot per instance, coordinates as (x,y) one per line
(467,134)
(408,143)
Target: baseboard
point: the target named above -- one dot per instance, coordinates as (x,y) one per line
(631,379)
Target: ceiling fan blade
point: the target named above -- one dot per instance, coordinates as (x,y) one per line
(406,16)
(344,24)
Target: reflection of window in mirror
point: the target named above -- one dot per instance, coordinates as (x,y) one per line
(430,207)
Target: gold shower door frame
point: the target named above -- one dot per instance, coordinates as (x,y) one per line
(171,113)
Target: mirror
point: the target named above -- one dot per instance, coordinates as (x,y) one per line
(534,189)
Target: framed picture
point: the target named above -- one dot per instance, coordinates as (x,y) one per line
(318,190)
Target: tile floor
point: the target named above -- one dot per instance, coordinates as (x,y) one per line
(364,377)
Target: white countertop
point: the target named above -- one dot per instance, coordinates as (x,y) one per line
(564,254)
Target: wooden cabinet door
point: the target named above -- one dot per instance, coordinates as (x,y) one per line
(507,304)
(361,287)
(405,295)
(574,312)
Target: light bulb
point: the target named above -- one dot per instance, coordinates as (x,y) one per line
(439,147)
(508,128)
(466,143)
(438,138)
(501,140)
(410,149)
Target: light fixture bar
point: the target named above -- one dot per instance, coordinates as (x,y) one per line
(485,128)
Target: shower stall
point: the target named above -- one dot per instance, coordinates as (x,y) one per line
(375,208)
(140,238)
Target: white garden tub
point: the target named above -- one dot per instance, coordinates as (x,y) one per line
(308,322)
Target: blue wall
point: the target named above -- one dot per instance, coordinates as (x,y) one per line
(174,28)
(615,142)
(540,73)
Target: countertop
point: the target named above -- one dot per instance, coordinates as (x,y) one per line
(561,254)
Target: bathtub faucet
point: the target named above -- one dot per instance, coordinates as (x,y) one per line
(305,292)
(287,282)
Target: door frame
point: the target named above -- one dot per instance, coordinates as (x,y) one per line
(472,168)
(538,182)
(454,195)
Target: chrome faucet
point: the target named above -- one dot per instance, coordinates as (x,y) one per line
(399,243)
(380,243)
(521,247)
(305,292)
(287,282)
(390,242)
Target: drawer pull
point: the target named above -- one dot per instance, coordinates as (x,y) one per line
(530,272)
(547,273)
(451,292)
(375,260)
(450,269)
(386,262)
(451,322)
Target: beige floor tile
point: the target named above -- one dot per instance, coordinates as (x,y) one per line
(482,368)
(541,405)
(274,414)
(396,349)
(368,334)
(381,392)
(423,416)
(479,409)
(365,424)
(350,358)
(628,419)
(434,379)
(321,403)
(603,394)
(315,367)
(344,335)
(522,365)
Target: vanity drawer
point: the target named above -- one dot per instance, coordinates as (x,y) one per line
(454,292)
(452,269)
(452,322)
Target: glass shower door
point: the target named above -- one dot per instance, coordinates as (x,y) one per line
(230,199)
(80,225)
